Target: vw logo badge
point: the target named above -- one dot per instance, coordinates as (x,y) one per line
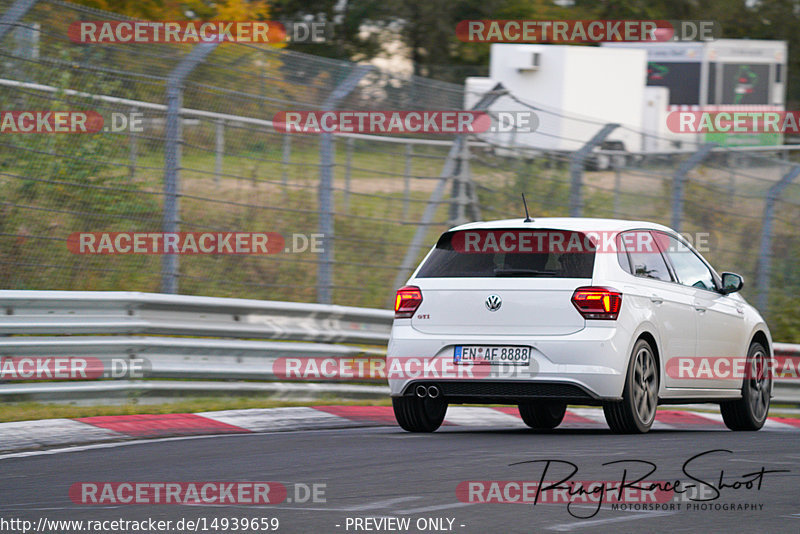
(493,302)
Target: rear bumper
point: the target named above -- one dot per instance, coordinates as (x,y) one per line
(504,392)
(587,367)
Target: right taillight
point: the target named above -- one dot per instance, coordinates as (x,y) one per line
(407,301)
(597,302)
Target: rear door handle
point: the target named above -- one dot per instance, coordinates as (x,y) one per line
(656,299)
(700,309)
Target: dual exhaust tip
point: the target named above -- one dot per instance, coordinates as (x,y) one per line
(423,391)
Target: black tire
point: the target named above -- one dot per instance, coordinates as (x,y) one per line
(635,413)
(750,412)
(417,414)
(543,415)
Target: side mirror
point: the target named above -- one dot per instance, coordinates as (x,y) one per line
(731,283)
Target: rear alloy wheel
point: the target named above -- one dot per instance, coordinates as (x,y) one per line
(417,414)
(637,410)
(750,412)
(543,415)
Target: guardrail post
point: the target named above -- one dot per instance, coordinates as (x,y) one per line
(576,160)
(172,156)
(765,253)
(13,15)
(679,179)
(325,192)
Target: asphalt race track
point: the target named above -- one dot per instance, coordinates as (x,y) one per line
(382,472)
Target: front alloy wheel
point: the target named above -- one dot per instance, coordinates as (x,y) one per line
(635,413)
(750,412)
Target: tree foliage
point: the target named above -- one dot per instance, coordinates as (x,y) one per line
(185,9)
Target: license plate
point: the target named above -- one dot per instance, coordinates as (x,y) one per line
(492,354)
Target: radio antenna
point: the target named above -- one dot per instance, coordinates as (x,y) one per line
(527,217)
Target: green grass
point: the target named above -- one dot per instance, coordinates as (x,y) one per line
(373,231)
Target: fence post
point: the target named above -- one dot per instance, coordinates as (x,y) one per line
(348,167)
(325,192)
(286,160)
(13,15)
(172,156)
(459,195)
(133,145)
(576,160)
(679,178)
(220,149)
(407,180)
(473,205)
(436,196)
(617,191)
(765,253)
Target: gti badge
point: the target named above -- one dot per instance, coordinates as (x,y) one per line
(493,302)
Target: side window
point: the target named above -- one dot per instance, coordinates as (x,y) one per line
(690,270)
(622,255)
(645,258)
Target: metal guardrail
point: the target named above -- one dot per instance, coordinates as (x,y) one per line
(107,391)
(787,390)
(135,326)
(221,338)
(87,312)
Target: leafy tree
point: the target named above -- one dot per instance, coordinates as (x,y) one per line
(186,9)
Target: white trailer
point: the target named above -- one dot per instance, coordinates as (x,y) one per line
(721,75)
(577,89)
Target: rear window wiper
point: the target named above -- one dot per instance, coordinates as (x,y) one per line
(523,272)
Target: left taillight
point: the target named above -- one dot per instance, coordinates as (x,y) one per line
(407,301)
(597,302)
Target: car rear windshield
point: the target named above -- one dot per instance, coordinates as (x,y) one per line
(510,252)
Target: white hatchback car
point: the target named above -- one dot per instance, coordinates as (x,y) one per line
(554,311)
